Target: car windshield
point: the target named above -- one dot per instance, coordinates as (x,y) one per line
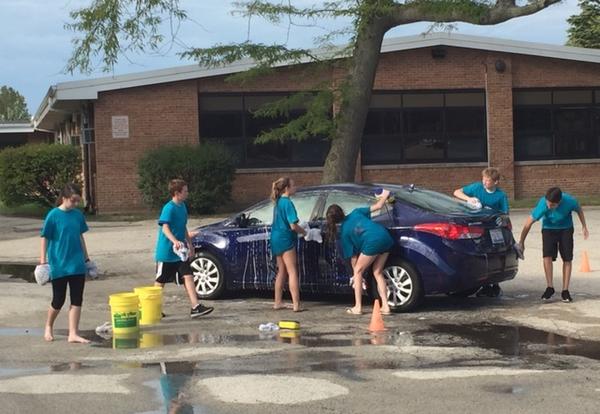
(435,202)
(262,213)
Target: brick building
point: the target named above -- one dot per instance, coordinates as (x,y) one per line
(14,134)
(444,106)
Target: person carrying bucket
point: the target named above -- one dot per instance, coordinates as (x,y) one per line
(63,244)
(173,236)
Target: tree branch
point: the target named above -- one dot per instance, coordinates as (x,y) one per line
(467,11)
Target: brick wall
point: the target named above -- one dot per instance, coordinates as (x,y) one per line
(500,120)
(577,179)
(159,115)
(445,178)
(169,114)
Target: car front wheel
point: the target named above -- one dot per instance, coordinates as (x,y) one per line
(209,278)
(404,285)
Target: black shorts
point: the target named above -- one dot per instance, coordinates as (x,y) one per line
(167,272)
(554,241)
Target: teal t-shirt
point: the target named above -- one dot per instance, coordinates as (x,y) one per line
(283,238)
(63,231)
(359,234)
(175,215)
(496,199)
(559,217)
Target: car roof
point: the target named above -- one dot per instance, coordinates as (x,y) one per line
(364,188)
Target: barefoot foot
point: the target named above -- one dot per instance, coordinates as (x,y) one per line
(48,334)
(77,339)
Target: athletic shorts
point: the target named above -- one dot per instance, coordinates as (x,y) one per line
(559,240)
(172,272)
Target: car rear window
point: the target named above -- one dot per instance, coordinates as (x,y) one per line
(433,201)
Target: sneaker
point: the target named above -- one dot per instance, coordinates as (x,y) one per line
(566,296)
(548,293)
(496,290)
(200,310)
(486,290)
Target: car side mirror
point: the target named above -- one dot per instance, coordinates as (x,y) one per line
(241,220)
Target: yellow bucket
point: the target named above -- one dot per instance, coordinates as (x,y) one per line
(126,341)
(150,340)
(150,304)
(124,313)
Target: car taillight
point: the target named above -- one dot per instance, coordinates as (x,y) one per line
(451,231)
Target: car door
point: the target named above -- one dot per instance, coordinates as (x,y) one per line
(334,269)
(257,264)
(306,204)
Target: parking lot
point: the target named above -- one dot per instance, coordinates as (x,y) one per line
(507,354)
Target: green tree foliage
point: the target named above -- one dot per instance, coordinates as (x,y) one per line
(111,27)
(12,105)
(208,169)
(584,28)
(37,173)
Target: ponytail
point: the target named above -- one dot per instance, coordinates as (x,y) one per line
(334,215)
(278,188)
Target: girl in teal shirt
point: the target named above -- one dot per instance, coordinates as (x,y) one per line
(284,235)
(366,243)
(63,244)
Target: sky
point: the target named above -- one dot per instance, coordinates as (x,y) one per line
(35,46)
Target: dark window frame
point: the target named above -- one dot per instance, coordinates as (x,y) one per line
(443,135)
(593,132)
(286,159)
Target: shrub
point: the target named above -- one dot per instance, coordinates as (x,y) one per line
(37,173)
(208,169)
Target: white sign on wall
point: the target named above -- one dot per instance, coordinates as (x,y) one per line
(120,126)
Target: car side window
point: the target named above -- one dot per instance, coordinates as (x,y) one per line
(349,201)
(305,204)
(262,215)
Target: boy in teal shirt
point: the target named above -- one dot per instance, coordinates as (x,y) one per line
(173,234)
(486,193)
(557,235)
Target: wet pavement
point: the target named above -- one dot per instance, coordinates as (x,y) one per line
(17,272)
(499,360)
(511,354)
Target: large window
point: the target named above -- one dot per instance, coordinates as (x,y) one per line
(556,124)
(425,127)
(229,119)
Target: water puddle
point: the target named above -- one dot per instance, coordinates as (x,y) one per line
(21,332)
(507,339)
(15,272)
(156,339)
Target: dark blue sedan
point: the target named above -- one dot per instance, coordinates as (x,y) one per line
(441,246)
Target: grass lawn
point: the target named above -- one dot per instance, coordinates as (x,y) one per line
(26,210)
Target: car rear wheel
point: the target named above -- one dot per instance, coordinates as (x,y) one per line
(404,285)
(209,278)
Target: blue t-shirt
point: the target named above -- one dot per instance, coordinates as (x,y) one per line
(496,199)
(63,231)
(559,217)
(359,234)
(283,238)
(175,215)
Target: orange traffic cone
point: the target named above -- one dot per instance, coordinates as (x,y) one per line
(585,263)
(376,324)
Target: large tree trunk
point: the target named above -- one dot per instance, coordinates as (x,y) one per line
(340,164)
(355,99)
